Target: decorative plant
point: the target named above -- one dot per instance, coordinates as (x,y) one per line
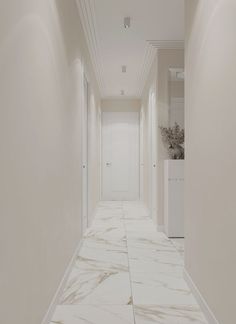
(173,139)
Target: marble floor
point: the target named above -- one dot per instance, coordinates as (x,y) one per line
(127,273)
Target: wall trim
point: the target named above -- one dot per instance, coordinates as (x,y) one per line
(200,299)
(167,44)
(87,15)
(148,59)
(151,52)
(55,301)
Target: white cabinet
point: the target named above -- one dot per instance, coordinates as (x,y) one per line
(174,198)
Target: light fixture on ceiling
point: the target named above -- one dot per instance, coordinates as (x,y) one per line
(127,22)
(180,75)
(124,68)
(122,92)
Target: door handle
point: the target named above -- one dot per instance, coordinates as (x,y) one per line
(108,164)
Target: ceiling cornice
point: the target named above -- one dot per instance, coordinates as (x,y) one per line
(150,53)
(86,10)
(167,44)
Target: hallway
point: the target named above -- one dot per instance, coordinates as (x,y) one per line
(117,161)
(127,272)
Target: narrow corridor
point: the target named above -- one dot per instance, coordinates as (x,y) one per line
(127,272)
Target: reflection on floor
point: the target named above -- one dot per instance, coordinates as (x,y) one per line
(127,273)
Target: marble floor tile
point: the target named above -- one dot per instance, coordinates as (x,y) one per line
(106,234)
(108,215)
(160,289)
(114,205)
(149,240)
(103,244)
(180,314)
(136,210)
(178,243)
(101,223)
(139,225)
(124,263)
(101,286)
(93,314)
(95,259)
(147,261)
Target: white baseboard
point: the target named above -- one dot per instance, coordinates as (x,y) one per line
(200,299)
(56,299)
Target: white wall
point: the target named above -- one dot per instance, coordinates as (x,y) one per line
(176,103)
(158,83)
(42,54)
(166,59)
(120,105)
(210,175)
(150,87)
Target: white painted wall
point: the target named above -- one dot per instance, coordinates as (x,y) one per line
(166,59)
(176,103)
(119,105)
(158,83)
(210,175)
(146,113)
(42,55)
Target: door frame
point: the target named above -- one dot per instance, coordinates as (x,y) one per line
(85,108)
(101,152)
(153,149)
(141,152)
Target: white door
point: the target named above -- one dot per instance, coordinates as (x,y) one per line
(85,156)
(120,156)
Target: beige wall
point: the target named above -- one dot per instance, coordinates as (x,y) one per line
(42,54)
(158,82)
(176,89)
(151,86)
(210,175)
(166,59)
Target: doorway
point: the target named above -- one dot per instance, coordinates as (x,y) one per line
(120,156)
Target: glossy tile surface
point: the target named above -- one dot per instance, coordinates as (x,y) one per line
(168,315)
(92,314)
(127,273)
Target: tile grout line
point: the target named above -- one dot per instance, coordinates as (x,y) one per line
(132,297)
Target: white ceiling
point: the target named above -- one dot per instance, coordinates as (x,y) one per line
(153,24)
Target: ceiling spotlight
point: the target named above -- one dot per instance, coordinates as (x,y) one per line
(127,22)
(180,75)
(122,92)
(124,68)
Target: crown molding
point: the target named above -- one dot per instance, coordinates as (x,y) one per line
(87,14)
(150,53)
(149,56)
(86,10)
(167,44)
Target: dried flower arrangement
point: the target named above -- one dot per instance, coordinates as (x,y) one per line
(173,139)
